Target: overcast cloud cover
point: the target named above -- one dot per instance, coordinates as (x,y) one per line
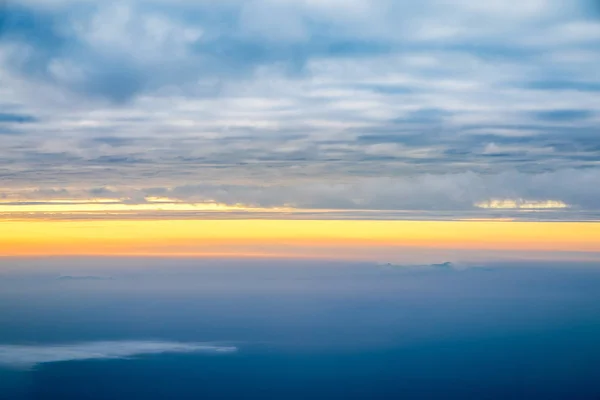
(348,104)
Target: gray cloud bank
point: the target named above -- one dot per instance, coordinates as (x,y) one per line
(27,356)
(332,104)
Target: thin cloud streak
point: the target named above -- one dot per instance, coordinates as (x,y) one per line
(29,356)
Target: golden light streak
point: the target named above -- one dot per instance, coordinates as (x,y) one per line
(108,206)
(287,237)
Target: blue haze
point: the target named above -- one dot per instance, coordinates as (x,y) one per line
(306,329)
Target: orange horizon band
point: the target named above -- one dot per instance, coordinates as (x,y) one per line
(248,236)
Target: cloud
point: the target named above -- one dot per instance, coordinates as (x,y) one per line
(446,266)
(522,204)
(564,115)
(16,118)
(84,278)
(425,195)
(119,51)
(27,356)
(381,105)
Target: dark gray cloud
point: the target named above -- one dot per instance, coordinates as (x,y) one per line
(16,118)
(564,115)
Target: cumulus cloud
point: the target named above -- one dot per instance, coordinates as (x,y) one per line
(27,356)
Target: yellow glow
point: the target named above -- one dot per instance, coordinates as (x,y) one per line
(287,237)
(108,206)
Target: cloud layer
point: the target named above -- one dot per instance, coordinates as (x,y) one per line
(311,104)
(27,356)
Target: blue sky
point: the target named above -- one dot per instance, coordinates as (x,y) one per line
(331,104)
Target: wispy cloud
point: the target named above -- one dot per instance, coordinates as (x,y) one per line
(522,204)
(27,356)
(84,278)
(446,266)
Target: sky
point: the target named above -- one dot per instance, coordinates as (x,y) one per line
(130,127)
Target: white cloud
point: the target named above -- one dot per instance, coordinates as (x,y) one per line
(522,204)
(27,356)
